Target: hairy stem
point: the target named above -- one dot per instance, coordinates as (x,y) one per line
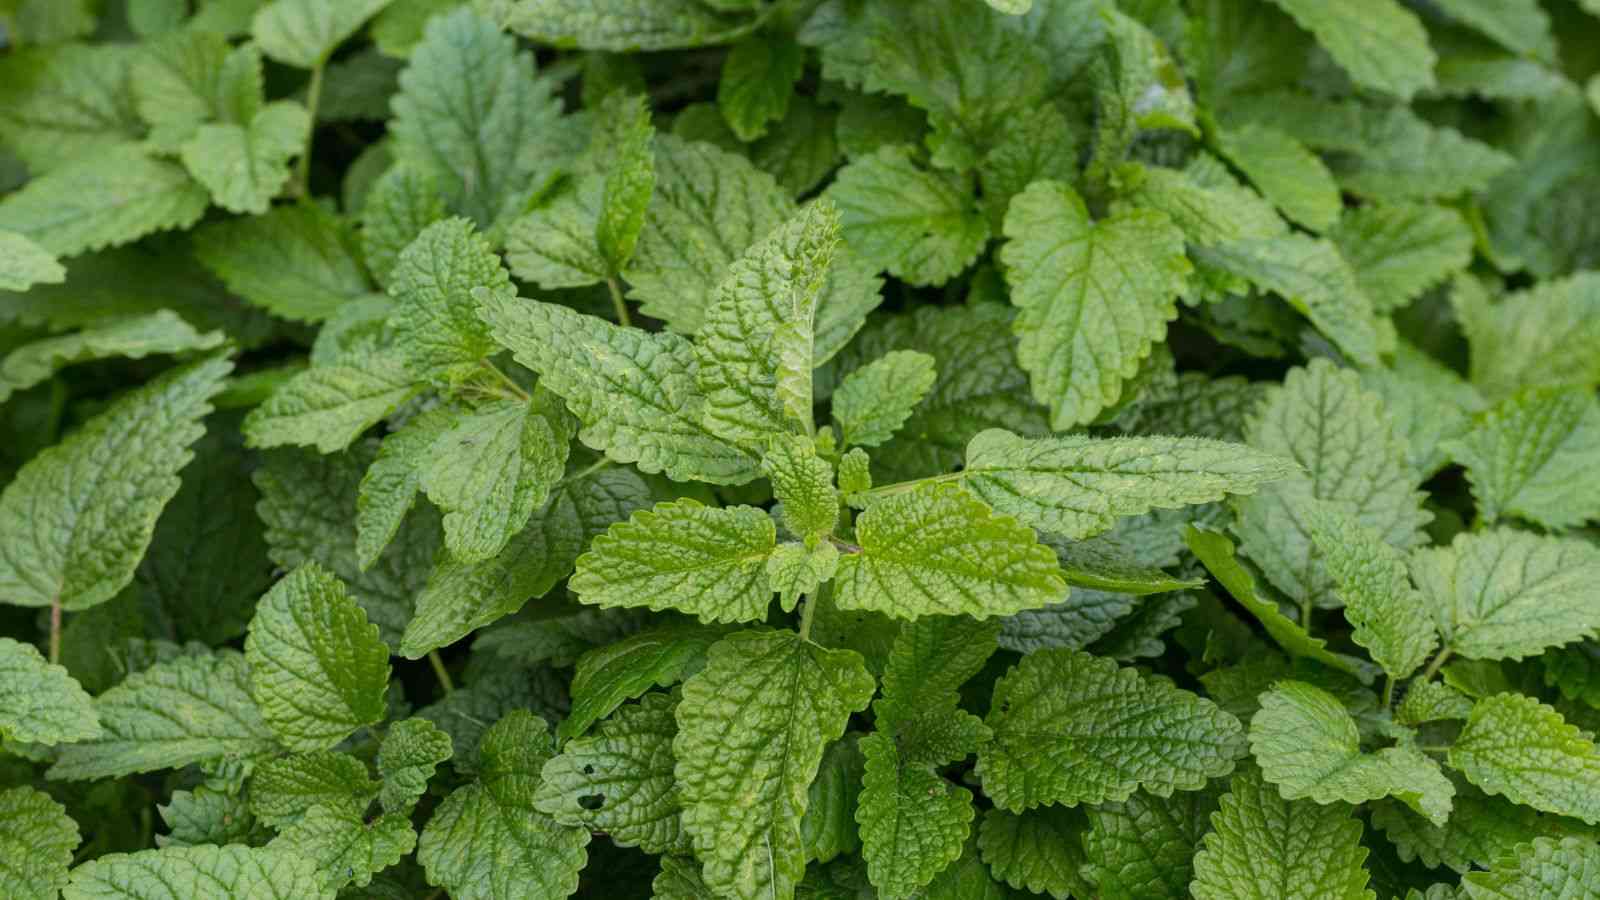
(55,631)
(441,672)
(618,303)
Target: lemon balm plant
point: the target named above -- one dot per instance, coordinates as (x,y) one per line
(801,448)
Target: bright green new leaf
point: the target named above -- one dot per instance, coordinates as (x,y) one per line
(1094,296)
(160,332)
(317,668)
(106,199)
(1530,456)
(245,166)
(1380,43)
(924,227)
(803,482)
(1391,618)
(937,550)
(555,245)
(77,518)
(1290,175)
(875,400)
(1204,199)
(406,760)
(329,406)
(436,320)
(304,33)
(36,840)
(344,845)
(1071,728)
(1520,748)
(708,562)
(389,488)
(39,702)
(173,873)
(24,263)
(752,727)
(298,261)
(796,571)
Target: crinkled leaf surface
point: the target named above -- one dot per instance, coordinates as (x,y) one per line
(40,702)
(1528,456)
(1515,746)
(172,873)
(36,840)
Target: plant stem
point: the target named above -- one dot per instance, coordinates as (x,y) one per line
(1388,691)
(441,672)
(902,486)
(617,302)
(55,631)
(505,380)
(313,100)
(1438,662)
(590,469)
(1305,616)
(809,611)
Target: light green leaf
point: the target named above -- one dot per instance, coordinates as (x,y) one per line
(175,873)
(619,780)
(406,760)
(1203,198)
(1431,701)
(875,400)
(1520,748)
(1530,456)
(1428,402)
(140,732)
(317,668)
(1518,25)
(1215,551)
(1071,728)
(492,469)
(766,303)
(66,102)
(40,702)
(555,245)
(298,261)
(628,25)
(283,790)
(245,166)
(304,33)
(389,488)
(937,550)
(1308,745)
(795,571)
(829,826)
(681,555)
(434,282)
(930,659)
(1145,846)
(1263,847)
(758,79)
(24,263)
(1481,829)
(1094,296)
(1391,618)
(136,337)
(345,847)
(487,840)
(803,482)
(585,360)
(751,731)
(1381,44)
(1039,851)
(192,76)
(630,177)
(609,675)
(1540,336)
(1399,250)
(922,226)
(36,840)
(329,406)
(106,199)
(913,822)
(1290,175)
(1341,436)
(1504,594)
(78,517)
(1078,486)
(400,205)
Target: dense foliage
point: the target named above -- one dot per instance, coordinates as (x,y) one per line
(799,448)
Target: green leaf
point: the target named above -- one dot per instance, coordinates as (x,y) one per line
(487,840)
(245,166)
(1391,618)
(829,826)
(190,77)
(610,675)
(1381,44)
(174,872)
(1203,198)
(1481,830)
(922,226)
(346,848)
(1515,746)
(555,245)
(435,319)
(1071,728)
(803,482)
(628,25)
(329,406)
(1308,745)
(630,178)
(752,727)
(795,571)
(1039,851)
(36,839)
(406,760)
(1546,868)
(585,360)
(1429,404)
(135,337)
(1520,25)
(758,78)
(1263,847)
(1400,250)
(619,780)
(206,816)
(304,33)
(389,488)
(24,263)
(681,555)
(1528,456)
(399,207)
(1504,594)
(103,489)
(1540,336)
(298,261)
(1094,296)
(1079,486)
(1343,439)
(875,400)
(492,469)
(937,550)
(1215,551)
(66,102)
(283,790)
(1431,701)
(471,115)
(140,733)
(42,702)
(765,310)
(913,822)
(106,199)
(1290,175)
(1145,846)
(317,668)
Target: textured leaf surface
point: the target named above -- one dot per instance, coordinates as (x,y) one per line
(1263,847)
(1379,42)
(435,319)
(1481,830)
(305,32)
(922,226)
(622,25)
(1039,851)
(1290,175)
(77,518)
(67,101)
(872,402)
(103,200)
(160,332)
(1400,250)
(751,731)
(1534,337)
(36,841)
(1145,846)
(173,873)
(40,702)
(175,713)
(24,263)
(608,676)
(1529,456)
(245,166)
(1391,618)
(1094,296)
(341,843)
(1071,728)
(298,261)
(913,822)
(406,760)
(329,406)
(1518,747)
(1558,870)
(935,549)
(401,204)
(389,488)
